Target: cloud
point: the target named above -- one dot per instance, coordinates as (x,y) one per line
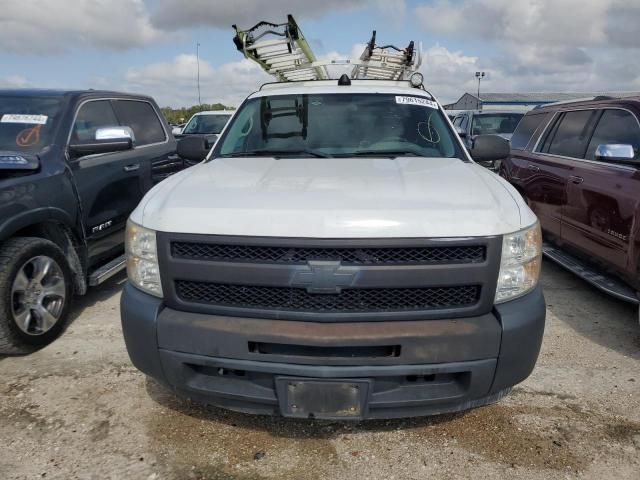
(545,44)
(448,73)
(623,24)
(549,22)
(46,26)
(174,83)
(13,81)
(172,15)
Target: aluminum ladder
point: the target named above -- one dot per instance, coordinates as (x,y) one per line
(282,51)
(386,62)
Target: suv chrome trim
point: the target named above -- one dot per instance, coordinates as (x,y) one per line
(596,162)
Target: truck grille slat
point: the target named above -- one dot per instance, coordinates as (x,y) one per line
(349,300)
(347,255)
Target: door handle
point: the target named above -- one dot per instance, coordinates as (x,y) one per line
(533,168)
(575,179)
(132,168)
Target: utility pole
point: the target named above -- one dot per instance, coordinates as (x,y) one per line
(479,76)
(198,72)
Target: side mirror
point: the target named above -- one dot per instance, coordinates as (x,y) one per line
(194,147)
(490,147)
(176,131)
(114,133)
(106,140)
(615,152)
(462,133)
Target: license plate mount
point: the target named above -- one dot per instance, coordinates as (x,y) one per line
(341,399)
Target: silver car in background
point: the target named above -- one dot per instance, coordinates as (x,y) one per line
(471,123)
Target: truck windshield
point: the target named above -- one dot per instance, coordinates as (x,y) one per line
(495,123)
(339,125)
(27,123)
(204,124)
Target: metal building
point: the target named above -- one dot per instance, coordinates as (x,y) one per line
(522,101)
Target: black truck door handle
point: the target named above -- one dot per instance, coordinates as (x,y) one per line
(576,180)
(533,168)
(132,168)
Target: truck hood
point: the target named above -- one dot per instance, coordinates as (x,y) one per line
(335,198)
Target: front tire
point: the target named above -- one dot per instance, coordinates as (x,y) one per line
(35,294)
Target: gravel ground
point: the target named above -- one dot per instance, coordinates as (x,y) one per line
(78,409)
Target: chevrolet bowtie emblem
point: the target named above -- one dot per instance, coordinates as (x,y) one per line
(324,277)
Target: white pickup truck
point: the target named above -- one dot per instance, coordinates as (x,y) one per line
(338,255)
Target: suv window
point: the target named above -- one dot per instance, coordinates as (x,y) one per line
(570,135)
(91,116)
(142,119)
(525,130)
(615,126)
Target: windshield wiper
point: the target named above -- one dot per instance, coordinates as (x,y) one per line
(383,153)
(276,153)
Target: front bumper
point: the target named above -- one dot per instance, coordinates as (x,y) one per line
(411,368)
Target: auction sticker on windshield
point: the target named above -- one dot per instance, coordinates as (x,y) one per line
(423,102)
(22,118)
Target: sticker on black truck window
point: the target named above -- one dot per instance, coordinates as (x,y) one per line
(22,118)
(422,102)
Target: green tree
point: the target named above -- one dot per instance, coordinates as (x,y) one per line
(183,114)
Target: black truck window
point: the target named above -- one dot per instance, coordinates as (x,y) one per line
(142,119)
(28,123)
(92,115)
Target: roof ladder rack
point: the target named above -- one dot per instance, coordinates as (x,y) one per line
(386,62)
(281,50)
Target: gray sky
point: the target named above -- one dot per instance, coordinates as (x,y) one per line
(149,45)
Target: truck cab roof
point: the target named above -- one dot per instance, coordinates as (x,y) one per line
(331,86)
(48,92)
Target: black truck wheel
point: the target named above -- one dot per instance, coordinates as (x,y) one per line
(35,294)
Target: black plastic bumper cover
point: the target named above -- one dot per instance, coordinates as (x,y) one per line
(435,366)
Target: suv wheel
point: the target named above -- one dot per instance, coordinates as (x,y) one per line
(35,294)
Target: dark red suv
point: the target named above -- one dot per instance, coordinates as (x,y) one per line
(578,166)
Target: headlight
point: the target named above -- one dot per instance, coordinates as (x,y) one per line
(520,263)
(142,259)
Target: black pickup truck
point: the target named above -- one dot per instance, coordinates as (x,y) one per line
(73,165)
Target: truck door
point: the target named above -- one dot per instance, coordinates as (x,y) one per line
(155,148)
(109,185)
(603,196)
